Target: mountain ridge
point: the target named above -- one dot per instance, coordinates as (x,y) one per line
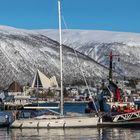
(23,52)
(98,44)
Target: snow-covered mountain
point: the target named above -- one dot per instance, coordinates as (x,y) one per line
(22,52)
(97,44)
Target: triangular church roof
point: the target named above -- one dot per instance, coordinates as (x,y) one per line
(42,81)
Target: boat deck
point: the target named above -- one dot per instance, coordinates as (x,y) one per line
(66,122)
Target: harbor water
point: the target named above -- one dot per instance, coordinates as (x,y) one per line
(71,134)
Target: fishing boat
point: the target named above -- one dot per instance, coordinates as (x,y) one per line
(119,112)
(59,120)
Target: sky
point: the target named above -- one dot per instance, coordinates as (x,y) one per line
(114,15)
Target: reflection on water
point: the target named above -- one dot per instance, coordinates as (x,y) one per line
(120,134)
(55,134)
(70,134)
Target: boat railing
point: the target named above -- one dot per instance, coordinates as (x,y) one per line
(126,116)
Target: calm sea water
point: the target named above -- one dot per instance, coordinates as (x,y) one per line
(71,134)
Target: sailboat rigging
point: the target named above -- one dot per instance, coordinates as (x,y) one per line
(81,70)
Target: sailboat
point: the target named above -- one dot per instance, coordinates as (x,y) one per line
(61,120)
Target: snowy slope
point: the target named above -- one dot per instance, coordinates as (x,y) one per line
(97,44)
(23,51)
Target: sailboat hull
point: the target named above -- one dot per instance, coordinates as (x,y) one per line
(72,122)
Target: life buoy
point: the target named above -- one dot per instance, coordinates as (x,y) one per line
(114,108)
(132,107)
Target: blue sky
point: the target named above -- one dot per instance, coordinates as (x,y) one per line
(115,15)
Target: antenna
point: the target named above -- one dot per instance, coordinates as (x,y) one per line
(111,55)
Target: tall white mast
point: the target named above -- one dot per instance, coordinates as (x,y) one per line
(61,60)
